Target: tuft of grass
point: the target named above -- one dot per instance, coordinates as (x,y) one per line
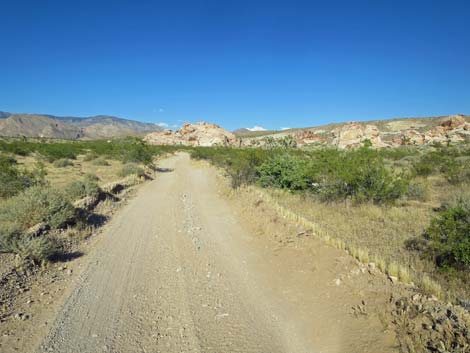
(431,287)
(131,169)
(100,162)
(90,156)
(404,274)
(62,163)
(363,256)
(393,269)
(380,263)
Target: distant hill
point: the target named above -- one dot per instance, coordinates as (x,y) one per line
(381,133)
(96,127)
(4,115)
(244,132)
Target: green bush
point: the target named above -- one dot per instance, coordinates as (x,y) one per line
(285,172)
(457,171)
(82,188)
(35,205)
(131,169)
(360,175)
(37,249)
(14,180)
(449,234)
(126,149)
(62,163)
(21,212)
(451,162)
(240,164)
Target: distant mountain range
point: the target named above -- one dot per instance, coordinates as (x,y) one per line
(88,128)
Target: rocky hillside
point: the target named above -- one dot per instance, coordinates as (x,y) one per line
(381,133)
(36,125)
(200,134)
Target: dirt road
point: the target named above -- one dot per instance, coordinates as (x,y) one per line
(178,271)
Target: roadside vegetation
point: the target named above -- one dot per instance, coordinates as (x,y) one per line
(49,187)
(406,210)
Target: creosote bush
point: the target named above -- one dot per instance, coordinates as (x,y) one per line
(35,205)
(81,188)
(449,234)
(129,149)
(19,213)
(360,175)
(285,172)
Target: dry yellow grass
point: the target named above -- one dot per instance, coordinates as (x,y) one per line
(431,287)
(60,177)
(392,269)
(372,233)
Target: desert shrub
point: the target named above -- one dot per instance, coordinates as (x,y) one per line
(126,149)
(284,142)
(285,172)
(449,234)
(37,249)
(450,161)
(82,188)
(100,162)
(57,151)
(35,205)
(240,164)
(62,163)
(424,167)
(13,180)
(418,190)
(137,153)
(457,171)
(131,169)
(360,175)
(90,156)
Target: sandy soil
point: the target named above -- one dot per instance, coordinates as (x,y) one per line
(183,269)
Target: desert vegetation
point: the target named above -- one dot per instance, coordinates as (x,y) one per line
(404,209)
(43,181)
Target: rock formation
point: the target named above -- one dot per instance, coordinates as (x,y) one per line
(355,135)
(200,134)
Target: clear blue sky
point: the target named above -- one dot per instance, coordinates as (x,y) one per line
(236,63)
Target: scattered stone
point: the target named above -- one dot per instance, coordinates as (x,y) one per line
(18,316)
(393,279)
(337,282)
